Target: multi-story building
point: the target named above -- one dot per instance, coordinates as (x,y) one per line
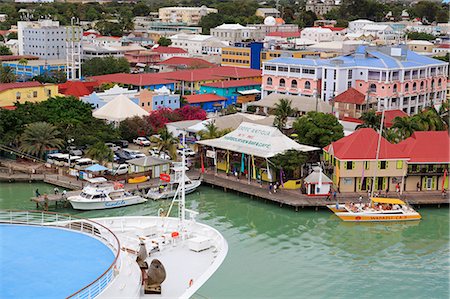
(317,34)
(156,30)
(236,33)
(26,71)
(22,92)
(267,12)
(188,15)
(321,7)
(394,77)
(357,25)
(194,44)
(46,38)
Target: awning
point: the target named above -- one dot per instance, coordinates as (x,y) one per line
(393,201)
(96,167)
(258,140)
(249,92)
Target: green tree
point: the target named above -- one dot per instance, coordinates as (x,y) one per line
(167,142)
(429,11)
(404,126)
(4,50)
(7,74)
(57,76)
(11,35)
(131,128)
(428,120)
(282,111)
(212,131)
(23,62)
(443,113)
(318,129)
(39,137)
(109,28)
(141,9)
(210,21)
(100,152)
(105,65)
(413,35)
(371,119)
(164,41)
(291,162)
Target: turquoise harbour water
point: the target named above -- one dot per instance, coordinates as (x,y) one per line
(279,253)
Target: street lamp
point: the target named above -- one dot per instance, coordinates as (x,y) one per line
(68,147)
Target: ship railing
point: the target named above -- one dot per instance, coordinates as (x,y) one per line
(78,224)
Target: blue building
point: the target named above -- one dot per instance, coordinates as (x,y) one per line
(35,67)
(230,89)
(207,101)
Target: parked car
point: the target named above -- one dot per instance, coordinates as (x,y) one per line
(119,169)
(122,143)
(164,156)
(112,146)
(141,141)
(133,154)
(154,152)
(76,152)
(187,151)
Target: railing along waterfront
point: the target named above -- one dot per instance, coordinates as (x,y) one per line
(77,224)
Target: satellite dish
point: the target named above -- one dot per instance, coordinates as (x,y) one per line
(270,21)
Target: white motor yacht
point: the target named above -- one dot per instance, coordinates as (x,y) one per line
(104,195)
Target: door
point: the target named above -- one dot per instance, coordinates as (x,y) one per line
(429,183)
(313,189)
(157,171)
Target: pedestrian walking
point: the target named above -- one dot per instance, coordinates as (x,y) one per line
(270,188)
(275,186)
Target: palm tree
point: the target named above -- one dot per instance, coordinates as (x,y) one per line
(393,135)
(23,62)
(370,120)
(211,131)
(167,142)
(100,152)
(38,137)
(405,126)
(7,74)
(443,113)
(282,111)
(429,120)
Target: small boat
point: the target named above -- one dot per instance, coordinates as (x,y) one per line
(380,209)
(169,185)
(104,195)
(139,179)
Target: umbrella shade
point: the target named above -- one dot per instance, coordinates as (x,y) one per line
(96,167)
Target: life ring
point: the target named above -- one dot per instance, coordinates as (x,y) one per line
(358,217)
(164,177)
(191,282)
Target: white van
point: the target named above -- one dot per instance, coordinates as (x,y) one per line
(119,169)
(83,163)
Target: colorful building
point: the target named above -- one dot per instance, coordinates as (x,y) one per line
(207,101)
(393,77)
(230,89)
(35,67)
(22,92)
(353,162)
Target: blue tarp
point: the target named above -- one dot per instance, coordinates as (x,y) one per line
(96,167)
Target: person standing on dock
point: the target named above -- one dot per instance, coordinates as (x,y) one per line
(45,202)
(270,188)
(37,193)
(56,190)
(334,195)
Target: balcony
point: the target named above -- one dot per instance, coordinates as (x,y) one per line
(426,169)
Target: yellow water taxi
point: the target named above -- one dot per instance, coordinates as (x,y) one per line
(380,209)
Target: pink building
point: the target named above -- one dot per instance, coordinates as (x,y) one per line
(392,77)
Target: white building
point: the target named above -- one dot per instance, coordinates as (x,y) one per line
(13,45)
(383,32)
(46,38)
(317,34)
(267,12)
(194,44)
(235,33)
(357,25)
(187,15)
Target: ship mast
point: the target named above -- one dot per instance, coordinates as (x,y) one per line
(181,205)
(377,156)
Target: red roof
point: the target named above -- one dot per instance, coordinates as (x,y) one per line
(331,28)
(427,147)
(350,96)
(389,116)
(9,107)
(362,145)
(17,57)
(169,50)
(77,88)
(233,83)
(352,119)
(206,74)
(203,98)
(443,46)
(285,34)
(7,86)
(187,62)
(132,79)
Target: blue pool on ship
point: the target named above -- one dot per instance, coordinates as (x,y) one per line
(45,262)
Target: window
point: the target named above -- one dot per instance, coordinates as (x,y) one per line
(366,165)
(422,85)
(307,85)
(406,87)
(18,95)
(350,74)
(414,86)
(349,165)
(382,164)
(373,88)
(295,70)
(269,81)
(308,71)
(142,104)
(432,84)
(334,74)
(282,83)
(35,94)
(399,164)
(440,82)
(395,88)
(283,69)
(294,84)
(270,68)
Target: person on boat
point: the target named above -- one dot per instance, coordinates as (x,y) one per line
(334,195)
(360,198)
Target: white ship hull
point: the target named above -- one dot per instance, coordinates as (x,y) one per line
(155,195)
(82,204)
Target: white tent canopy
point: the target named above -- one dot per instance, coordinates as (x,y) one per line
(258,140)
(318,176)
(119,109)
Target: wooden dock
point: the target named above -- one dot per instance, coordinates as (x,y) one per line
(295,199)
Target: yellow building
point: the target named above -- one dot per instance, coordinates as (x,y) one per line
(188,15)
(22,92)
